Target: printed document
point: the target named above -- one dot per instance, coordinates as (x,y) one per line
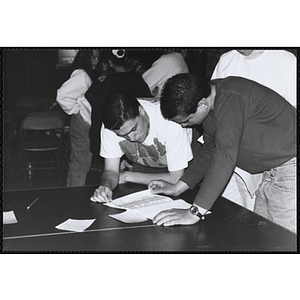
(143,205)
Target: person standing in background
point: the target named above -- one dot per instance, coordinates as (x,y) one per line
(275,69)
(120,72)
(70,96)
(165,67)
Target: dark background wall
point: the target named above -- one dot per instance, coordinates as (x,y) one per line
(34,72)
(31,73)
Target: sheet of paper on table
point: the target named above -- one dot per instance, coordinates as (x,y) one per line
(9,217)
(75,225)
(143,205)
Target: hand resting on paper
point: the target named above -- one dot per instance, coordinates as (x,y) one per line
(102,194)
(175,216)
(164,187)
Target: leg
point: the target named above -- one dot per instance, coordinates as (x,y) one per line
(279,195)
(81,157)
(261,207)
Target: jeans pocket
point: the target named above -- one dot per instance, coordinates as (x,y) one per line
(285,180)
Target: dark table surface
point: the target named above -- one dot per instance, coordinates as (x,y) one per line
(229,228)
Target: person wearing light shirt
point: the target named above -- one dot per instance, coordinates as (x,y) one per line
(168,65)
(275,69)
(156,147)
(70,97)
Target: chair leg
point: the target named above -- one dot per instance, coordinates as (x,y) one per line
(26,167)
(57,156)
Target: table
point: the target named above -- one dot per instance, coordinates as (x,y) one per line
(230,227)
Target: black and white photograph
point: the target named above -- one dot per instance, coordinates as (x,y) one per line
(149,149)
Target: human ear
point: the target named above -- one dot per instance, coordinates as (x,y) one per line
(203,104)
(141,110)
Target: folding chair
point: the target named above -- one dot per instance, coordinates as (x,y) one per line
(41,138)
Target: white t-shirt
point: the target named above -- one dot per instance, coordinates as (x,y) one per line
(167,66)
(70,96)
(167,144)
(275,69)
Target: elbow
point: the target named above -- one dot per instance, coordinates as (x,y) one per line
(175,176)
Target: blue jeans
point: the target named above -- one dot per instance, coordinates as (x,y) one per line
(276,195)
(81,157)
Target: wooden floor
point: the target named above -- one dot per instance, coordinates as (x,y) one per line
(13,178)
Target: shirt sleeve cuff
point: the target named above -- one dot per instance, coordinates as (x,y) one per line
(202,210)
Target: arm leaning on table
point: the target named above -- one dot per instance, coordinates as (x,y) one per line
(146,178)
(176,156)
(172,217)
(109,181)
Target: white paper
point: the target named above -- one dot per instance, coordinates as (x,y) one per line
(144,205)
(129,216)
(9,217)
(151,211)
(75,225)
(138,200)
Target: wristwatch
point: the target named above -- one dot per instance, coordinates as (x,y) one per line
(195,211)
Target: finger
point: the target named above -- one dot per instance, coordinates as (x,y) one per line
(152,184)
(154,191)
(155,187)
(97,193)
(108,194)
(161,216)
(171,222)
(104,196)
(98,198)
(168,220)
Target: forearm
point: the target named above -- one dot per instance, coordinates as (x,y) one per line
(110,179)
(145,178)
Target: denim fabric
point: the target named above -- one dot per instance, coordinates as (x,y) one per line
(276,195)
(81,157)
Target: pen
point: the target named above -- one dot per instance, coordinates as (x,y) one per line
(32,203)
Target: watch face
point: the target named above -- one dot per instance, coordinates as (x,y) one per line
(194,210)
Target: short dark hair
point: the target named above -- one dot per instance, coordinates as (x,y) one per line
(181,95)
(118,108)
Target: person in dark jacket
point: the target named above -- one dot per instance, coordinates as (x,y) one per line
(246,125)
(122,77)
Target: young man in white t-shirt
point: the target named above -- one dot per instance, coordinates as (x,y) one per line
(158,148)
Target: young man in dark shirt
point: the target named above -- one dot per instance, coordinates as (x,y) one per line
(245,125)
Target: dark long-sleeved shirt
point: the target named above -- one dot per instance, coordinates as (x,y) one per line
(251,127)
